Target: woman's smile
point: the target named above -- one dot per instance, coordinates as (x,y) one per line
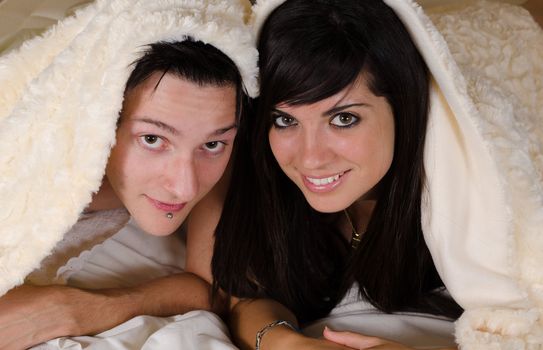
(323,184)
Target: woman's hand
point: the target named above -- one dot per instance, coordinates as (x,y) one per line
(358,341)
(288,339)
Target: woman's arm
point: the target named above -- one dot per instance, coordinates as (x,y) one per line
(201,225)
(248,317)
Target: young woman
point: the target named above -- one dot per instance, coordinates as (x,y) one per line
(166,84)
(378,172)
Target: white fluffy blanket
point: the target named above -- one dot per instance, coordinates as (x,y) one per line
(483,214)
(484,211)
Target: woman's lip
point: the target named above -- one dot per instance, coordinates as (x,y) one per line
(321,184)
(166,206)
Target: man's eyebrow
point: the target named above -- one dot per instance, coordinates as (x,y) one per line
(159,124)
(174,131)
(224,130)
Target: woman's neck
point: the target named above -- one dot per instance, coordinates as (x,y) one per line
(361,212)
(358,215)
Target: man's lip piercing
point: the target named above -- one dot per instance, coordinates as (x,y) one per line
(169,216)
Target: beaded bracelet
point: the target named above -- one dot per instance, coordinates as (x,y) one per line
(269,326)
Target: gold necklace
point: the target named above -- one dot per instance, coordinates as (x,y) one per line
(355,236)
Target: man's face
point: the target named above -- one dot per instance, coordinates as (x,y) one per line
(173,144)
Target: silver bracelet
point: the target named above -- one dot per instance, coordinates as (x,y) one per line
(269,326)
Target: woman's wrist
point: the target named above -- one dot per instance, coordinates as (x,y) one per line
(270,326)
(281,336)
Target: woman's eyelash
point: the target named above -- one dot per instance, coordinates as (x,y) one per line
(344,120)
(282,121)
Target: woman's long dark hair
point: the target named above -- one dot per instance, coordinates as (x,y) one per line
(269,241)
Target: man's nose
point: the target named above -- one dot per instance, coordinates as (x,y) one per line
(181,179)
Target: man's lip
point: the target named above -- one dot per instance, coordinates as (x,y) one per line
(166,206)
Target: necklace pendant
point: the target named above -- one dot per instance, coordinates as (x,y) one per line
(355,240)
(355,236)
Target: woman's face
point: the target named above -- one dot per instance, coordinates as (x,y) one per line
(337,149)
(173,144)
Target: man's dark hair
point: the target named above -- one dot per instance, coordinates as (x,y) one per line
(194,61)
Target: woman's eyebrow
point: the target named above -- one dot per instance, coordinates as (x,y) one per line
(276,110)
(331,111)
(343,107)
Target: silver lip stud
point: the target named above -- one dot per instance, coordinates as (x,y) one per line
(169,216)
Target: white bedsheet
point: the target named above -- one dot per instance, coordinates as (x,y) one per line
(416,330)
(194,330)
(205,331)
(131,257)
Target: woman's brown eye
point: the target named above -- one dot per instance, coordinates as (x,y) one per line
(344,120)
(283,121)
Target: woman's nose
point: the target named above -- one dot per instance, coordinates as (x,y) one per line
(315,152)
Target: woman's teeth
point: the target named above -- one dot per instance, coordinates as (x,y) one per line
(324,181)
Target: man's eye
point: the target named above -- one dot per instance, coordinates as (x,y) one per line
(344,120)
(283,121)
(214,147)
(152,142)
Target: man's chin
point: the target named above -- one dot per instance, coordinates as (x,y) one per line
(161,226)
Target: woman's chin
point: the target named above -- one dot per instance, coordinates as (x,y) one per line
(326,206)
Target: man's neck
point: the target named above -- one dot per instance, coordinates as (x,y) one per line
(105,198)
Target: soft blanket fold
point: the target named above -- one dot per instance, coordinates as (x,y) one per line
(483,210)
